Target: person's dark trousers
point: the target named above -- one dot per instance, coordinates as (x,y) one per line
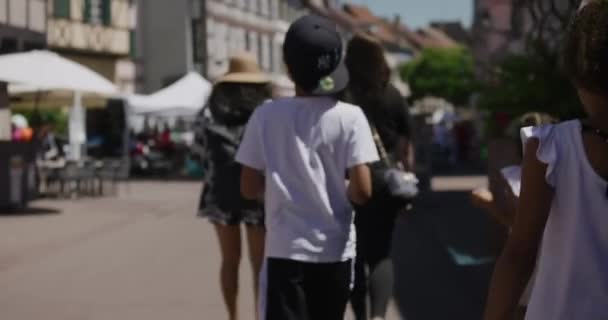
(373,279)
(374,276)
(307,291)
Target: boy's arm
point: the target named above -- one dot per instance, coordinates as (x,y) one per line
(360,186)
(252,184)
(361,151)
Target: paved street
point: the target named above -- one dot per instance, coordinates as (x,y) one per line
(144,255)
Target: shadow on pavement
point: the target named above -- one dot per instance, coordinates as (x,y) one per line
(444,256)
(30,211)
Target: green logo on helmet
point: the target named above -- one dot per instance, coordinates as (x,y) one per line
(327,84)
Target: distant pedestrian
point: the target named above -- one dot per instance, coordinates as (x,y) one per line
(295,154)
(220,127)
(564,196)
(387,111)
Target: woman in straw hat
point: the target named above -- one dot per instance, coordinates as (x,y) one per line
(219,130)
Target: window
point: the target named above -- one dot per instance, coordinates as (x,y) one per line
(196,9)
(253,6)
(98,12)
(274,9)
(9,45)
(28,46)
(253,44)
(197,40)
(61,9)
(284,11)
(132,44)
(265,7)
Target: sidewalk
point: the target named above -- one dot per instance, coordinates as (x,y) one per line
(145,256)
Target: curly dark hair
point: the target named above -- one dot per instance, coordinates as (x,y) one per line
(585,55)
(232,104)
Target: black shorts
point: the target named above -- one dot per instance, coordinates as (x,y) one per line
(305,291)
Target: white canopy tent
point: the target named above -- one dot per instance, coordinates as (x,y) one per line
(48,71)
(185,97)
(37,71)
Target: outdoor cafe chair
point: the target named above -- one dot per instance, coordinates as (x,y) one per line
(70,180)
(113,171)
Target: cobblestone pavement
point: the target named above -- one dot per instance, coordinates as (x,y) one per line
(141,255)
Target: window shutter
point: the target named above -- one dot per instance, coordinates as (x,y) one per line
(86,14)
(98,12)
(61,9)
(132,44)
(106,11)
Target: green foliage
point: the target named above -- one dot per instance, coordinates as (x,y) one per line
(36,118)
(533,82)
(444,73)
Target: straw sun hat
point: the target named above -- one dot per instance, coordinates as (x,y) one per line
(243,68)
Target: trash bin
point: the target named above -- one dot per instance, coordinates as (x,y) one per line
(17,174)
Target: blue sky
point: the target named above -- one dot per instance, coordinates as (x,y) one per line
(418,13)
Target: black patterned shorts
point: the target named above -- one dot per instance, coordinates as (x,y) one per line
(248,217)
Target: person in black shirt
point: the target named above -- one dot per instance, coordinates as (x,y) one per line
(387,112)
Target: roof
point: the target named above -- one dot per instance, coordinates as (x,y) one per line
(378,27)
(362,14)
(417,40)
(454,29)
(393,34)
(435,38)
(321,8)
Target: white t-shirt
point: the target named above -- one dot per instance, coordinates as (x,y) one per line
(305,146)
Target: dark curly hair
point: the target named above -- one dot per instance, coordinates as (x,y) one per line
(232,104)
(585,51)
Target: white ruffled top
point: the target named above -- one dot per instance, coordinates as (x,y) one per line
(572,279)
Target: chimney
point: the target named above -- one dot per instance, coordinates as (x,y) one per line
(397,20)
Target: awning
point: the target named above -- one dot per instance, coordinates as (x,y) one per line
(47,71)
(185,97)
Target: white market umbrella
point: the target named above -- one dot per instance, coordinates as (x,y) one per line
(185,97)
(37,71)
(47,71)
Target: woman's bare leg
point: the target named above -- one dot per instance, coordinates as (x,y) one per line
(230,245)
(255,241)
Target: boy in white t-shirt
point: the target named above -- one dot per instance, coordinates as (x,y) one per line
(295,155)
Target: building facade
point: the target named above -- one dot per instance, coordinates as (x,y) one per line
(98,34)
(23,25)
(168,44)
(255,26)
(503,27)
(200,35)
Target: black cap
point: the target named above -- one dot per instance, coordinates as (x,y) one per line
(313,53)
